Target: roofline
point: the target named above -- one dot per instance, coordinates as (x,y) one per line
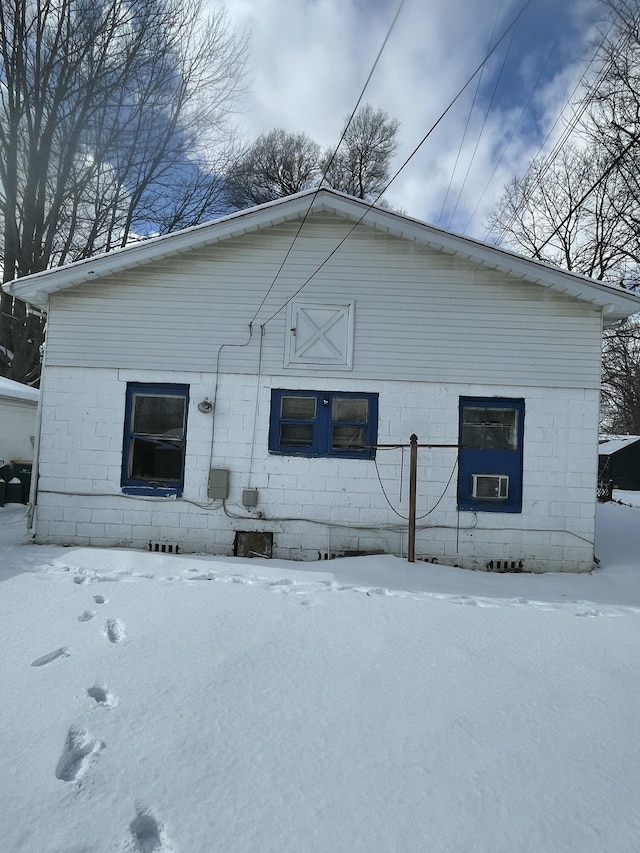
(14,399)
(615,303)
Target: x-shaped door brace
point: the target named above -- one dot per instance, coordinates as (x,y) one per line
(318,333)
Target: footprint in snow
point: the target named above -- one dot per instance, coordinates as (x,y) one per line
(86,616)
(115,631)
(100,599)
(103,697)
(148,834)
(51,656)
(77,755)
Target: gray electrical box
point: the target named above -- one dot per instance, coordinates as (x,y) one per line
(250,498)
(218,488)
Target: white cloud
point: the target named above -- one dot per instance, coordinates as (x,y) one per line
(309,60)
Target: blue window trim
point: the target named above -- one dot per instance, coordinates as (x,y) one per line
(491,462)
(322,425)
(143,486)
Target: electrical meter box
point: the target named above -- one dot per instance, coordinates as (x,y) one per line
(218,488)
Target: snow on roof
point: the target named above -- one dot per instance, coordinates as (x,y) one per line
(18,391)
(609,444)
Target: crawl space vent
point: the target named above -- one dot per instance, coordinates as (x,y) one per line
(164,547)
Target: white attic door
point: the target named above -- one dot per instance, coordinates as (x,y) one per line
(319,335)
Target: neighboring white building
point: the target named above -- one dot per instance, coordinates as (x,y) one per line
(223,389)
(18,407)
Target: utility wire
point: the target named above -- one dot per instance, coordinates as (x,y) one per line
(372,204)
(466,127)
(330,162)
(510,139)
(635,138)
(570,127)
(484,124)
(613,165)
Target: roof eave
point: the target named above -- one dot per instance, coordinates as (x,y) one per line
(615,304)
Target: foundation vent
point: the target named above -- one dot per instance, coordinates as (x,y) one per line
(158,547)
(505,566)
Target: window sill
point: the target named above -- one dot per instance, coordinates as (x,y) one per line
(153,491)
(485,506)
(311,454)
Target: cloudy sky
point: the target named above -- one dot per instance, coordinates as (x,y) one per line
(309,61)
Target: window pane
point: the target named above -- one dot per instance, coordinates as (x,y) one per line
(296,435)
(156,415)
(489,429)
(299,408)
(155,459)
(348,438)
(352,410)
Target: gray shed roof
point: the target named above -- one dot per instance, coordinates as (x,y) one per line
(609,444)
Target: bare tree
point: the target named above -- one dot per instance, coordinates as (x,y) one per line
(114,123)
(621,379)
(567,212)
(581,209)
(361,165)
(277,164)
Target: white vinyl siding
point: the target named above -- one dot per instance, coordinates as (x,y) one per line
(421,314)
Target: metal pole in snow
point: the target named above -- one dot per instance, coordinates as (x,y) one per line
(413,478)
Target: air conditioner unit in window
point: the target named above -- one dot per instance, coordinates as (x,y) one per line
(490,487)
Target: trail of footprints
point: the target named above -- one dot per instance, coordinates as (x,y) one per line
(81,748)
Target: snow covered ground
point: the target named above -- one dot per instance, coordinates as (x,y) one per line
(157,703)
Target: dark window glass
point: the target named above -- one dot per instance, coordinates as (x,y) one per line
(350,410)
(345,437)
(489,429)
(299,408)
(296,435)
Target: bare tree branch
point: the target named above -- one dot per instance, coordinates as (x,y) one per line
(115,121)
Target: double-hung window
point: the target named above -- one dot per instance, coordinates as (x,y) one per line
(155,429)
(323,423)
(490,460)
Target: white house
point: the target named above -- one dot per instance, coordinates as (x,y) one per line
(251,384)
(18,405)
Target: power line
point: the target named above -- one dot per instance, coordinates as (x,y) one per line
(372,204)
(456,98)
(513,133)
(613,165)
(466,127)
(571,125)
(330,162)
(484,124)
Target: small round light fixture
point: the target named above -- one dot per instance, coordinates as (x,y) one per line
(206,406)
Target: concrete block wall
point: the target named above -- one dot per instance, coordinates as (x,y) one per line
(17,429)
(317,507)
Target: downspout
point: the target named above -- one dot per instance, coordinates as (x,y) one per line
(33,491)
